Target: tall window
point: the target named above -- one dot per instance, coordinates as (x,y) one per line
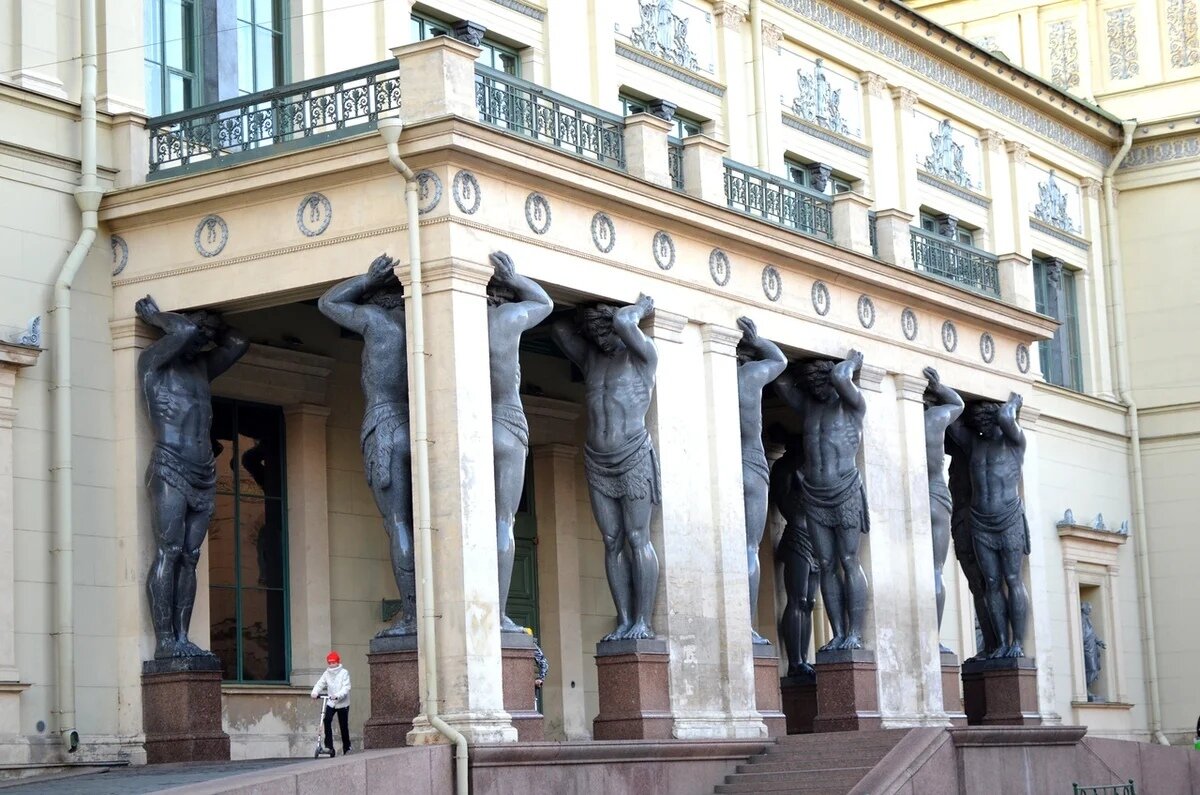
(1062,358)
(247,544)
(937,225)
(495,55)
(685,125)
(202,51)
(800,174)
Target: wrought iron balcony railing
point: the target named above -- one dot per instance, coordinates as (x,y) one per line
(955,262)
(259,124)
(873,231)
(530,111)
(675,162)
(778,200)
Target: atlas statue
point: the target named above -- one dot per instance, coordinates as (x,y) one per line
(794,554)
(942,407)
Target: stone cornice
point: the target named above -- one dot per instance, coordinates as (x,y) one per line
(911,387)
(663,325)
(870,378)
(13,355)
(721,340)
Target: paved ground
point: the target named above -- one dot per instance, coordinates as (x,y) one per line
(146,778)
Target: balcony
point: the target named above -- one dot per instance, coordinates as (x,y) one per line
(675,162)
(778,201)
(267,122)
(956,263)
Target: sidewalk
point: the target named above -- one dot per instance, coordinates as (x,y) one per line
(146,778)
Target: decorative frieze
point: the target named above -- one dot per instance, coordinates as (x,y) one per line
(1156,152)
(1183,35)
(952,155)
(1122,43)
(675,31)
(824,97)
(1064,54)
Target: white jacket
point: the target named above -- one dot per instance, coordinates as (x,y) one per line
(336,682)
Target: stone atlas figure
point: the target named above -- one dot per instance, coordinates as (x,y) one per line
(831,411)
(515,305)
(1091,650)
(794,553)
(373,306)
(964,547)
(995,448)
(942,407)
(174,373)
(759,363)
(618,363)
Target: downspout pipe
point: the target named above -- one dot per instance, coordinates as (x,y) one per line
(1116,314)
(390,129)
(87,197)
(760,88)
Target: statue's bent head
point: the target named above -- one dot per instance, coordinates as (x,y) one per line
(817,381)
(983,417)
(596,324)
(210,325)
(390,296)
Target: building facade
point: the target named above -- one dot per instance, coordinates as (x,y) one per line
(850,176)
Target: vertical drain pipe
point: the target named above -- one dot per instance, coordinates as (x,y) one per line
(390,129)
(1116,313)
(87,197)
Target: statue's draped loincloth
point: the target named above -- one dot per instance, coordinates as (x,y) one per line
(797,541)
(196,480)
(939,492)
(629,472)
(379,426)
(842,505)
(756,462)
(513,419)
(1006,530)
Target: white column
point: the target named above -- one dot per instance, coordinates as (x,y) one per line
(879,121)
(908,144)
(1018,156)
(556,508)
(999,186)
(737,126)
(1093,314)
(463,510)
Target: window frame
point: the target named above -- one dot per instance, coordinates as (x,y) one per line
(190,19)
(1068,332)
(279,39)
(685,123)
(237,588)
(797,171)
(423,26)
(963,235)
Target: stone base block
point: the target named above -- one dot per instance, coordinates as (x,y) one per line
(181,710)
(395,691)
(767,697)
(1001,692)
(847,691)
(799,702)
(632,682)
(520,696)
(951,700)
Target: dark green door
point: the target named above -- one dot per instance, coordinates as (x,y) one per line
(523,593)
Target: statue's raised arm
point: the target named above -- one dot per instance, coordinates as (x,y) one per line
(625,326)
(1007,420)
(842,379)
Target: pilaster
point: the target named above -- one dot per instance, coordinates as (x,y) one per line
(1018,156)
(462,513)
(438,76)
(879,121)
(731,35)
(646,148)
(999,186)
(35,47)
(908,144)
(1093,320)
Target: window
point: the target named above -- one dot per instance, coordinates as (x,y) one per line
(496,55)
(801,174)
(190,60)
(948,226)
(1055,295)
(685,125)
(247,544)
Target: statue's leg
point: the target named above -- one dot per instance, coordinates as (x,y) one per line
(795,576)
(990,568)
(509,456)
(168,518)
(811,582)
(196,528)
(831,585)
(964,549)
(395,506)
(848,538)
(940,523)
(607,511)
(643,561)
(1018,600)
(754,493)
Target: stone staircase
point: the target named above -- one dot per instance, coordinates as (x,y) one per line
(813,764)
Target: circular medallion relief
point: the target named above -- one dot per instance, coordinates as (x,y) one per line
(908,324)
(664,250)
(772,283)
(1022,358)
(820,298)
(211,235)
(987,347)
(866,311)
(466,192)
(537,213)
(120,254)
(429,191)
(604,233)
(718,267)
(949,336)
(314,214)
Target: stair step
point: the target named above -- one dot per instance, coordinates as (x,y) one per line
(849,776)
(843,739)
(805,766)
(813,788)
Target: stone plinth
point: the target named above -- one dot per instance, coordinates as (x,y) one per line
(395,691)
(847,691)
(520,696)
(1001,692)
(799,702)
(952,702)
(767,697)
(181,710)
(632,676)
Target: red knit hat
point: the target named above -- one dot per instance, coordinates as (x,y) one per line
(333,658)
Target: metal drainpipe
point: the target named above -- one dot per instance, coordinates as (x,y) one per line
(760,90)
(87,197)
(1116,313)
(390,130)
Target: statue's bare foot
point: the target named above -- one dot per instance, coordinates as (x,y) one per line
(508,625)
(185,648)
(405,626)
(942,648)
(1000,651)
(834,644)
(620,633)
(852,641)
(758,640)
(639,631)
(1014,650)
(803,669)
(165,649)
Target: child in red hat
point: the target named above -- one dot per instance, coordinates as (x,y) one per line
(335,681)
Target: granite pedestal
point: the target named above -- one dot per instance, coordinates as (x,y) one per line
(952,702)
(181,710)
(395,691)
(1001,692)
(799,702)
(632,680)
(766,689)
(520,697)
(847,691)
